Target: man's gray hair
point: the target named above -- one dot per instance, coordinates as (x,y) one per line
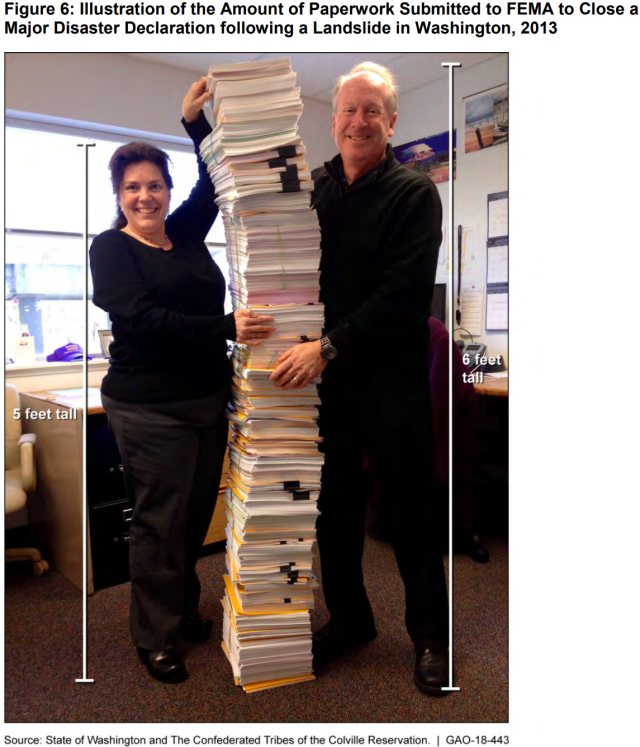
(370,68)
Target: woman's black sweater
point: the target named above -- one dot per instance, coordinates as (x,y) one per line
(166,307)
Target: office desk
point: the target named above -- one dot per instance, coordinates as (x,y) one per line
(492,466)
(57,511)
(493,387)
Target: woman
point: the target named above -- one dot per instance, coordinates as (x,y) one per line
(166,390)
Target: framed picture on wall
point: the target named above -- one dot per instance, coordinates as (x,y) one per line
(106,338)
(429,155)
(486,119)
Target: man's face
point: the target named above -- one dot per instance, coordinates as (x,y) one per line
(361,124)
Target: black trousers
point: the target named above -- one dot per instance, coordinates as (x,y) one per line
(393,429)
(172,454)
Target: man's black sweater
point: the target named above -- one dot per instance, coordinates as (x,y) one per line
(166,307)
(380,242)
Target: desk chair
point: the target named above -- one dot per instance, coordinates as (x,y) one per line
(19,475)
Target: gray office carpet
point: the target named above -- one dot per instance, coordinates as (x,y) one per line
(43,657)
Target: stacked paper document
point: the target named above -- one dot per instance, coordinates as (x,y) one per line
(263,184)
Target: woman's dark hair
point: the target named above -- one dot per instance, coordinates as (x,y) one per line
(130,153)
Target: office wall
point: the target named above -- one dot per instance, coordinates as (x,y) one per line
(119,91)
(424,112)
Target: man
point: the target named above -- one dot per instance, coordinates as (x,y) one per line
(381,231)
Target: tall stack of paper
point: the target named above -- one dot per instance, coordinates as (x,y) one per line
(257,163)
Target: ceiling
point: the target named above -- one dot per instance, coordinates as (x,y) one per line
(317,72)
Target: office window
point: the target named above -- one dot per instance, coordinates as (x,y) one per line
(45,218)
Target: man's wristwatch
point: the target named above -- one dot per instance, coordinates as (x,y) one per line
(327,351)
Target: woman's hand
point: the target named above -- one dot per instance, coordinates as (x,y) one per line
(301,362)
(195,99)
(251,328)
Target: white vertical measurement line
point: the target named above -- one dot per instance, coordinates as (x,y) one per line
(85,298)
(451,65)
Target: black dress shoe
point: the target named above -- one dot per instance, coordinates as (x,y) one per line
(469,543)
(432,671)
(196,629)
(335,638)
(478,551)
(166,666)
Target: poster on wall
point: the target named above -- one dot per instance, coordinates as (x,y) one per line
(429,155)
(486,119)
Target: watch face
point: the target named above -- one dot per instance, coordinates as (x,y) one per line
(328,352)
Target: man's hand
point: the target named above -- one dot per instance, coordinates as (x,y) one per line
(301,362)
(251,328)
(195,99)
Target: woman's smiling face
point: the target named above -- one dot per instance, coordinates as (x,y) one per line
(144,199)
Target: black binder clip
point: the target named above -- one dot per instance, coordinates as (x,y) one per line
(287,151)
